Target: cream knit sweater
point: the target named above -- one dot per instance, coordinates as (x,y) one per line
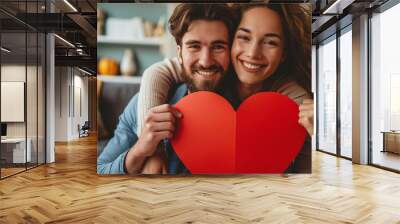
(156,83)
(160,77)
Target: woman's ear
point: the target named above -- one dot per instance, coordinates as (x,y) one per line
(179,49)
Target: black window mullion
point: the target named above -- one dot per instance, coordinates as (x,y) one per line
(338,73)
(73,92)
(369,91)
(46,3)
(45,94)
(37,90)
(317,96)
(26,86)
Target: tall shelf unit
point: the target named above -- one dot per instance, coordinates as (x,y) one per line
(148,50)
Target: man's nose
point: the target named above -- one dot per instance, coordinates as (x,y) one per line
(206,58)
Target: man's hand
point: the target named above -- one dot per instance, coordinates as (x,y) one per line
(159,124)
(155,164)
(306,115)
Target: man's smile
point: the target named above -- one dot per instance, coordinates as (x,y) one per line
(206,74)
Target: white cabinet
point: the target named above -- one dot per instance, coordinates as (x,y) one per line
(16,146)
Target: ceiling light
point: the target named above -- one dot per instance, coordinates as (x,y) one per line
(84,71)
(80,51)
(5,49)
(70,5)
(337,7)
(65,41)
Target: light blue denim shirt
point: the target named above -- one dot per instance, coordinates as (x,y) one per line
(112,159)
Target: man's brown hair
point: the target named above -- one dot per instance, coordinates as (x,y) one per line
(185,13)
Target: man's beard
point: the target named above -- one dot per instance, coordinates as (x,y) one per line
(206,85)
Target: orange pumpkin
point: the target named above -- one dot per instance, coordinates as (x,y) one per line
(107,66)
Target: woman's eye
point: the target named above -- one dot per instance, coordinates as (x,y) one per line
(271,43)
(241,37)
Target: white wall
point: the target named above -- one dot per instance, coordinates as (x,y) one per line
(61,103)
(80,102)
(71,93)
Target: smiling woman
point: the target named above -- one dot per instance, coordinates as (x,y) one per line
(258,49)
(272,47)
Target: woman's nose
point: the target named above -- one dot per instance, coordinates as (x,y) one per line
(254,50)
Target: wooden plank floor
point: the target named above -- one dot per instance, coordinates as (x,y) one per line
(10,171)
(70,191)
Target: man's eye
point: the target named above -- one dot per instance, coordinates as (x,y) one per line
(193,47)
(219,47)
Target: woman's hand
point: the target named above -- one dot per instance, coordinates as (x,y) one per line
(306,115)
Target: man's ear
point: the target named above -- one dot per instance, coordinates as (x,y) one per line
(179,49)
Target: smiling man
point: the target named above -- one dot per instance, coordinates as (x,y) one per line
(203,33)
(204,57)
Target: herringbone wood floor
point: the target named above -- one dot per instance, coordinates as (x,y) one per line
(70,191)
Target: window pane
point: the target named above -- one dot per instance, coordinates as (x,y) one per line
(385,89)
(327,96)
(345,94)
(15,150)
(41,98)
(31,98)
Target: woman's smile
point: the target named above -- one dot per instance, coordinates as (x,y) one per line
(251,67)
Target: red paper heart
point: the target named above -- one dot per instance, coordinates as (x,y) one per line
(262,136)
